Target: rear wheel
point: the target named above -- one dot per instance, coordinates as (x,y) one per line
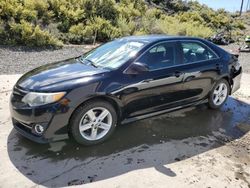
(218,95)
(93,122)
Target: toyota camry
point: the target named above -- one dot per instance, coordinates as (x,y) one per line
(121,81)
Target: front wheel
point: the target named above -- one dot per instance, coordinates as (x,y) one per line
(218,95)
(93,122)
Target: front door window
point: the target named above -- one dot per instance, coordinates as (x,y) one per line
(160,56)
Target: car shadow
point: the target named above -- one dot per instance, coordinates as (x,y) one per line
(149,143)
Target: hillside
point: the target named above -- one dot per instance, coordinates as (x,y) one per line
(58,22)
(246,20)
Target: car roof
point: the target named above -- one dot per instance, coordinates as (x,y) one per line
(155,38)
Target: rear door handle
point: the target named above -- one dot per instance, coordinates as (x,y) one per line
(189,78)
(219,66)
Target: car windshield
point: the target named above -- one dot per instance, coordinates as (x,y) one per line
(112,54)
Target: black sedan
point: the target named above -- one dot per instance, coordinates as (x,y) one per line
(118,82)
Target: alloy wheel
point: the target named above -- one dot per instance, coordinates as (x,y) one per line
(95,123)
(220,94)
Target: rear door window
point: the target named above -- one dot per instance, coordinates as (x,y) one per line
(195,52)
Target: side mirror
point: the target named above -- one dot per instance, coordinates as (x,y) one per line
(137,68)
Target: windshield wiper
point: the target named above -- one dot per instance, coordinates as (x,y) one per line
(90,62)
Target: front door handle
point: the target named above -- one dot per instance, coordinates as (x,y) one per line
(147,80)
(178,74)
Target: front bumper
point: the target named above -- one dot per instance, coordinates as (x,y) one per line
(27,132)
(54,118)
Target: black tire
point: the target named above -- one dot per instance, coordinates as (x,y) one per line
(79,113)
(211,102)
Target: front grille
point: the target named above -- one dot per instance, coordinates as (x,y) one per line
(29,126)
(23,126)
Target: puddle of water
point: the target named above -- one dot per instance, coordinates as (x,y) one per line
(148,143)
(191,122)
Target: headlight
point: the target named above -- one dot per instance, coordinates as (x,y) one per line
(37,99)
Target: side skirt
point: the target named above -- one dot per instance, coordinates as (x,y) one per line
(137,118)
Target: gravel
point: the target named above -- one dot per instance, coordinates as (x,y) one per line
(18,60)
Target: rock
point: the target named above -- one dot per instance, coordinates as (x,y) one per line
(177,159)
(243,127)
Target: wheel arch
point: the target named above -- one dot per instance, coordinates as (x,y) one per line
(225,77)
(229,80)
(114,102)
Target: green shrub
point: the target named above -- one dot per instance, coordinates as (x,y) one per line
(43,38)
(48,22)
(148,22)
(40,6)
(27,34)
(2,32)
(194,16)
(171,26)
(77,34)
(126,27)
(28,15)
(130,9)
(96,28)
(238,24)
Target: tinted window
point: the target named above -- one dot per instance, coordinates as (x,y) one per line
(159,56)
(194,52)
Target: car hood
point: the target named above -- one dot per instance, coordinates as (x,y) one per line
(59,76)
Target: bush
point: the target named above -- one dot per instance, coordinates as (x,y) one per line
(96,28)
(39,6)
(48,22)
(171,26)
(128,10)
(43,38)
(25,33)
(126,27)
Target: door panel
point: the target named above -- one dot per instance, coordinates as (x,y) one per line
(200,67)
(198,80)
(151,92)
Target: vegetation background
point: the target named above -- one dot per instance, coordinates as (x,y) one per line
(58,22)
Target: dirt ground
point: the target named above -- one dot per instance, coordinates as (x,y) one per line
(193,147)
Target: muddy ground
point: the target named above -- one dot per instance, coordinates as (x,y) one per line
(193,147)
